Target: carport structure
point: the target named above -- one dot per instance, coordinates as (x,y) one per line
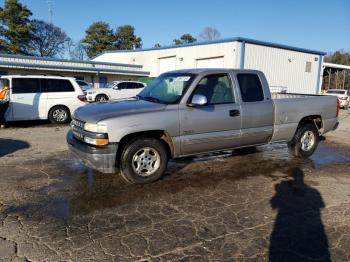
(336,76)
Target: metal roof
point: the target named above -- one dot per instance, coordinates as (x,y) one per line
(72,68)
(68,60)
(234,39)
(41,63)
(338,66)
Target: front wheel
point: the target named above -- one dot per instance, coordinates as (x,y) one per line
(305,141)
(143,160)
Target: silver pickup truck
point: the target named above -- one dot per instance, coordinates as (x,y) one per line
(188,112)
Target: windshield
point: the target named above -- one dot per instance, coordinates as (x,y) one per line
(4,83)
(168,88)
(109,85)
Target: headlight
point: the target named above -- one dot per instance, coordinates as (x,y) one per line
(97,128)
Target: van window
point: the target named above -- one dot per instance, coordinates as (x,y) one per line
(57,85)
(25,85)
(251,88)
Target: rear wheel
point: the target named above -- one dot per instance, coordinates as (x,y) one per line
(59,115)
(143,160)
(305,141)
(101,98)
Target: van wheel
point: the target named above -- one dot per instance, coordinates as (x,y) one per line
(101,98)
(143,160)
(59,115)
(305,141)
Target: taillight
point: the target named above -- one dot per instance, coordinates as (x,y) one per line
(338,107)
(82,98)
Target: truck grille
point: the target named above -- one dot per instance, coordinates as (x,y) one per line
(78,123)
(77,129)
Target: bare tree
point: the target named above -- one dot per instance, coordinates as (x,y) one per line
(48,39)
(76,51)
(209,33)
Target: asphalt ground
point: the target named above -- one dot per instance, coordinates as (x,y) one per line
(253,205)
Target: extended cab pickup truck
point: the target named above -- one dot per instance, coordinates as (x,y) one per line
(188,112)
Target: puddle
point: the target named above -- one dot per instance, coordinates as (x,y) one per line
(77,189)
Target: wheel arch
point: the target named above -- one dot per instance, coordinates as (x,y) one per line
(162,135)
(314,119)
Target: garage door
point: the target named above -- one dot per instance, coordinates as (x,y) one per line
(167,64)
(214,62)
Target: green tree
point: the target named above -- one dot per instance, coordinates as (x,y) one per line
(49,40)
(185,39)
(15,28)
(157,45)
(126,39)
(99,37)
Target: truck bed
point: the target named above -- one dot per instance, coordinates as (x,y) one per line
(290,108)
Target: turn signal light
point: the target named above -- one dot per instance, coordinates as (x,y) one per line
(96,141)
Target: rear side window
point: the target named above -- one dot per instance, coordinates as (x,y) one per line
(57,85)
(25,85)
(251,88)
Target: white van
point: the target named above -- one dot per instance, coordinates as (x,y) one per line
(34,97)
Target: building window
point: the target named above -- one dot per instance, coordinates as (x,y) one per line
(308,67)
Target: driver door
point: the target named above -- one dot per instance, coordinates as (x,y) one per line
(216,125)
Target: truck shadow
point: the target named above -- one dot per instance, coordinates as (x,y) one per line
(298,232)
(9,146)
(80,190)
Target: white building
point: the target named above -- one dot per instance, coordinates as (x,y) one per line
(295,70)
(98,73)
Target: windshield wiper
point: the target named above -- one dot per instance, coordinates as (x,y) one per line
(151,99)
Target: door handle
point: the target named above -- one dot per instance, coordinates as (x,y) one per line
(234,112)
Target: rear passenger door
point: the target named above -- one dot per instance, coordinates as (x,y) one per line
(27,101)
(257,110)
(59,92)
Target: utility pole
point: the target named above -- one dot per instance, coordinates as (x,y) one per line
(50,5)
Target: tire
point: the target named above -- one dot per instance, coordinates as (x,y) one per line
(101,98)
(59,115)
(143,160)
(309,134)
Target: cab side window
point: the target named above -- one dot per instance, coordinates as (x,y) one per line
(216,88)
(251,88)
(25,85)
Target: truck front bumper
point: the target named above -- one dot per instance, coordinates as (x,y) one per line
(102,159)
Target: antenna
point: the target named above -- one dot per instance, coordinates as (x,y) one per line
(50,4)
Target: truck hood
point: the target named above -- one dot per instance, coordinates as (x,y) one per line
(96,112)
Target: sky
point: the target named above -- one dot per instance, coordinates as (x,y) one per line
(321,25)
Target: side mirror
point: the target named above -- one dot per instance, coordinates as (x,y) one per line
(198,100)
